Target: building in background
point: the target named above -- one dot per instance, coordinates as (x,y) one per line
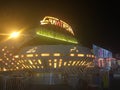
(103,57)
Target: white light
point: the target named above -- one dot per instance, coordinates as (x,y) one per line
(14,34)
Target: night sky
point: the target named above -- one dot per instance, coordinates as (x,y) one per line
(93,21)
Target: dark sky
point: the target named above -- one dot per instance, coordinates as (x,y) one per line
(93,21)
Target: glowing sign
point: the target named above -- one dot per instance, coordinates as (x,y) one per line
(57,22)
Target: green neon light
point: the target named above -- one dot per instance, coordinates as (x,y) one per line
(57,36)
